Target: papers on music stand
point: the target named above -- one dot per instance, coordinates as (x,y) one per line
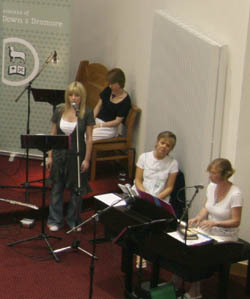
(110,198)
(202,239)
(200,231)
(203,232)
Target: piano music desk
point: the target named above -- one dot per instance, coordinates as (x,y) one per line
(192,263)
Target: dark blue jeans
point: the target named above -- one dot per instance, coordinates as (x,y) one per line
(56,216)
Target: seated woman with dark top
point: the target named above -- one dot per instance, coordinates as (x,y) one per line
(112,107)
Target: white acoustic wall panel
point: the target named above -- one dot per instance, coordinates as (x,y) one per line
(186,95)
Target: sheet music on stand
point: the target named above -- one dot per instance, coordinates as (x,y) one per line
(201,238)
(202,235)
(110,198)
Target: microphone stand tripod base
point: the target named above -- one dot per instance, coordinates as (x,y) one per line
(27,142)
(41,236)
(75,245)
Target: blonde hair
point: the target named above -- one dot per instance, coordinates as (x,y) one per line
(223,166)
(167,135)
(78,89)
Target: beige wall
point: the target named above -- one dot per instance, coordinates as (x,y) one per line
(118,33)
(243,144)
(119,36)
(228,21)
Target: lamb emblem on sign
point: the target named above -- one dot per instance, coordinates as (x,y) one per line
(16,56)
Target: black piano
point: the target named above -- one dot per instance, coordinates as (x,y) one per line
(140,229)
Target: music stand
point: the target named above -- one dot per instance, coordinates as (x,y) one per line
(135,236)
(51,96)
(51,58)
(43,143)
(185,215)
(94,217)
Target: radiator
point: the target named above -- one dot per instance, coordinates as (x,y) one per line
(186,94)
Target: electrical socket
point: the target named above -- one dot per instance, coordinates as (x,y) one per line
(12,157)
(28,223)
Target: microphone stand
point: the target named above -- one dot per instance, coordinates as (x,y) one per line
(42,235)
(75,244)
(185,215)
(137,234)
(94,217)
(26,185)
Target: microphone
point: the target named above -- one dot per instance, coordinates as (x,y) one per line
(76,108)
(198,186)
(195,186)
(130,192)
(131,197)
(54,58)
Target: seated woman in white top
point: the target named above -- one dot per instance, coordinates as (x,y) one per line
(156,171)
(221,213)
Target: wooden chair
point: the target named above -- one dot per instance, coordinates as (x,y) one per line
(116,148)
(93,77)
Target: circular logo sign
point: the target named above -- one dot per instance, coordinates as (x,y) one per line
(20,62)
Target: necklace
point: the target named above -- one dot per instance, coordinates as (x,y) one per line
(117,95)
(117,98)
(222,191)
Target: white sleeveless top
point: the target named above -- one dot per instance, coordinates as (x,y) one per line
(67,127)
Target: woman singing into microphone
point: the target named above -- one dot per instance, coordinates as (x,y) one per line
(63,163)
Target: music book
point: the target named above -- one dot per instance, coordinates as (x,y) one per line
(157,201)
(201,239)
(110,198)
(198,230)
(190,234)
